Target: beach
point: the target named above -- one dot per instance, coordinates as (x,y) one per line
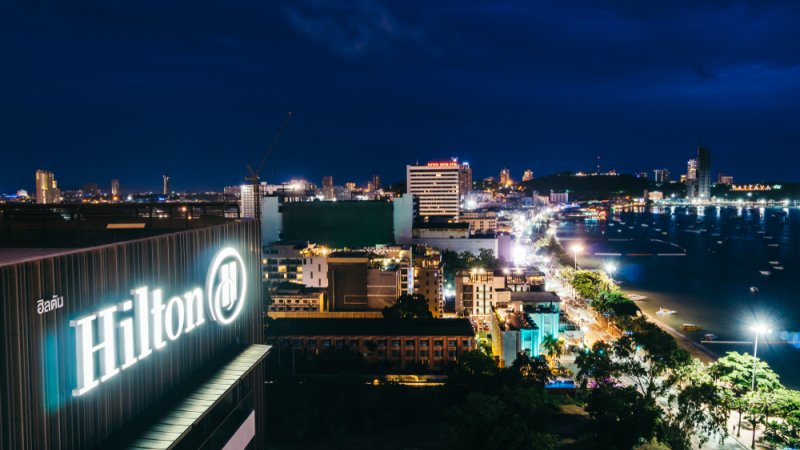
(698,351)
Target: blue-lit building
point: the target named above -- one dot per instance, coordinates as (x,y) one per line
(524,324)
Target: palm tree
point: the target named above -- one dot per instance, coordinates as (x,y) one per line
(553,346)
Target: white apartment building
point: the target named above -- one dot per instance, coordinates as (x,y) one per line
(480,222)
(437,188)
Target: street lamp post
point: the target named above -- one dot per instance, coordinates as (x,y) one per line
(757,329)
(575,249)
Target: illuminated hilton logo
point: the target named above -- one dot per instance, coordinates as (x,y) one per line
(147,322)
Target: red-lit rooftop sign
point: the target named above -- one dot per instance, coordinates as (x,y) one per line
(442,164)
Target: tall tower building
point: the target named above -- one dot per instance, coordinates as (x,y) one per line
(661,176)
(167,187)
(505,177)
(247,201)
(115,188)
(527,175)
(691,179)
(47,191)
(437,186)
(327,188)
(464,179)
(376,182)
(703,173)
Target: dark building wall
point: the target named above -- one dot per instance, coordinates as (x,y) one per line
(347,285)
(38,351)
(339,224)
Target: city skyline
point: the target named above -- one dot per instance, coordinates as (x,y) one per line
(376,87)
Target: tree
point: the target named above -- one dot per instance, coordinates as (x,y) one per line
(650,357)
(589,284)
(614,303)
(407,306)
(734,372)
(554,347)
(786,432)
(475,363)
(533,370)
(623,417)
(596,365)
(695,409)
(514,418)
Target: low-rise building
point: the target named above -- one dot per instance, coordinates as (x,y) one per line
(393,343)
(282,262)
(524,323)
(291,297)
(478,291)
(484,222)
(428,277)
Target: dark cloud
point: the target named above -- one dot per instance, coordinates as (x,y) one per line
(351,29)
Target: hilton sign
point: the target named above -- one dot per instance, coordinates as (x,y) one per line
(149,322)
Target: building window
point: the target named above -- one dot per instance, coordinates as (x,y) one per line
(395,353)
(311,343)
(451,343)
(438,343)
(326,343)
(382,342)
(409,353)
(437,353)
(423,344)
(409,344)
(423,353)
(395,342)
(451,354)
(339,343)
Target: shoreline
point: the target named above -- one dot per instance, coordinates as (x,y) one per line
(696,350)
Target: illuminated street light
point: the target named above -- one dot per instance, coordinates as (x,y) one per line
(610,268)
(576,248)
(757,329)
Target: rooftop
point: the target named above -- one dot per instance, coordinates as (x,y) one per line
(370,327)
(535,297)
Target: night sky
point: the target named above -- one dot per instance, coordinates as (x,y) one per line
(135,89)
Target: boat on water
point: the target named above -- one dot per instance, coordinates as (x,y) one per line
(709,337)
(636,297)
(766,273)
(774,263)
(773,245)
(778,267)
(666,312)
(691,327)
(753,290)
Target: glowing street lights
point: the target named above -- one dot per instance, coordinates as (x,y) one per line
(576,248)
(610,268)
(759,328)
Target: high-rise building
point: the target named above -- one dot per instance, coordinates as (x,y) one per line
(247,201)
(327,188)
(528,175)
(505,177)
(47,191)
(350,186)
(167,187)
(661,176)
(376,182)
(437,185)
(464,179)
(115,188)
(691,179)
(703,172)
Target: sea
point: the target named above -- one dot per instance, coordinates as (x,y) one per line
(722,268)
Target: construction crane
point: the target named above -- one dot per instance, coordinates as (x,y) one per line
(253,176)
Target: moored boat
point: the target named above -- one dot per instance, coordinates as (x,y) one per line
(691,327)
